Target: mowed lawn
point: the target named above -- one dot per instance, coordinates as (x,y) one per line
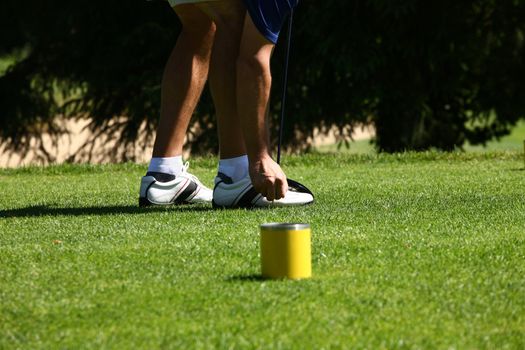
(409,251)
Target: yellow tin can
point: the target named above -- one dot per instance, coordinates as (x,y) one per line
(286,250)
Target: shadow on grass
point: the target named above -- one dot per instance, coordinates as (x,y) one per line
(257,278)
(246,278)
(46,210)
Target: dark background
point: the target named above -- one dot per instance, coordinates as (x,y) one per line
(426,74)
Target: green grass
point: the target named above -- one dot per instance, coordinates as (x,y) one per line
(512,142)
(409,251)
(5,63)
(353,147)
(8,60)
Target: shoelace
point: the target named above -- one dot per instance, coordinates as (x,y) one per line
(185,167)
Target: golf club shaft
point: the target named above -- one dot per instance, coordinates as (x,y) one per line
(285,87)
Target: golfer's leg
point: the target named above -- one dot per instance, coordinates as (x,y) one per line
(184,79)
(228,16)
(253,92)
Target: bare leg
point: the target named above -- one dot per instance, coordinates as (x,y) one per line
(253,93)
(229,19)
(184,79)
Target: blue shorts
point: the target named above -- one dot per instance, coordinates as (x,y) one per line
(269,15)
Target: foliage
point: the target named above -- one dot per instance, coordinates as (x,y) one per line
(426,73)
(86,58)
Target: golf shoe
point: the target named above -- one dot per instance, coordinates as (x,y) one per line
(164,189)
(242,194)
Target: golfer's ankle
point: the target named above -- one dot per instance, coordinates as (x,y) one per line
(235,168)
(166,165)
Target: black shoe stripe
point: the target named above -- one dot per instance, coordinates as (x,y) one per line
(246,200)
(193,195)
(241,194)
(188,191)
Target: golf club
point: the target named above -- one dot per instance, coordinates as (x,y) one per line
(285,85)
(292,184)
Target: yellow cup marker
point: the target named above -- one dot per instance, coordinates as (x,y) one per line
(286,250)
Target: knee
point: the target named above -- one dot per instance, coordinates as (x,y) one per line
(254,54)
(253,64)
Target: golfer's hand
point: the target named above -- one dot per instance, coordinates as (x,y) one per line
(268,178)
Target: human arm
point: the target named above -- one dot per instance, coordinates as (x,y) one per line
(253,93)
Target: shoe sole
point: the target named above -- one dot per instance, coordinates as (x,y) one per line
(253,207)
(144,202)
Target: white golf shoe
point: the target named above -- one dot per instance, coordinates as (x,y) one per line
(242,194)
(164,189)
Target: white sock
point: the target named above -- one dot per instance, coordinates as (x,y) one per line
(169,165)
(236,168)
